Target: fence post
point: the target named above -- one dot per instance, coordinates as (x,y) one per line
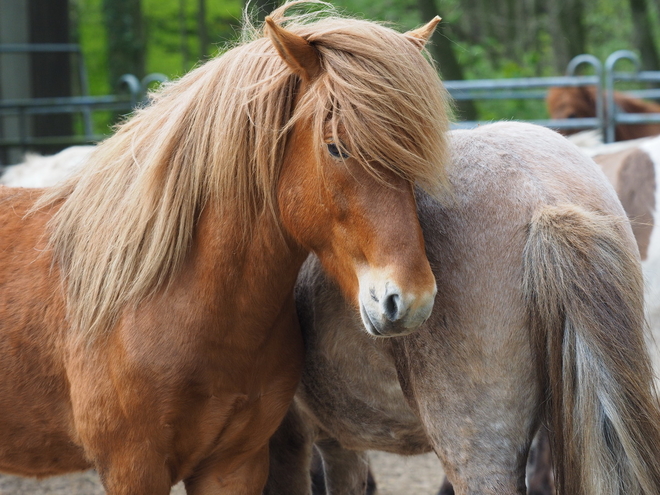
(610,107)
(588,59)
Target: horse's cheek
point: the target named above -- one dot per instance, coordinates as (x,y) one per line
(300,205)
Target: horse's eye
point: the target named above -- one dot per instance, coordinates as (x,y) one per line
(334,150)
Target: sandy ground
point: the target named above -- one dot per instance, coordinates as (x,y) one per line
(395,475)
(415,475)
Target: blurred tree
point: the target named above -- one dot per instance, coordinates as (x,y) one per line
(202,31)
(566,25)
(50,72)
(505,30)
(126,39)
(442,51)
(643,35)
(489,38)
(183,34)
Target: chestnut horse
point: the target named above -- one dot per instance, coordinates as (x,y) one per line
(580,102)
(538,320)
(148,326)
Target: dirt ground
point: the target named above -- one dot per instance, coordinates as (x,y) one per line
(395,475)
(415,475)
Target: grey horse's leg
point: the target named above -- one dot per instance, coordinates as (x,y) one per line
(346,471)
(291,455)
(480,419)
(446,488)
(318,477)
(540,478)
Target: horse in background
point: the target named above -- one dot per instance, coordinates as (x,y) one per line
(148,325)
(635,174)
(538,320)
(580,102)
(45,171)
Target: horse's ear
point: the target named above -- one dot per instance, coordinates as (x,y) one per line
(299,55)
(421,35)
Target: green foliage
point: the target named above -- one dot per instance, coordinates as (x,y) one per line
(403,14)
(479,41)
(173,46)
(92,38)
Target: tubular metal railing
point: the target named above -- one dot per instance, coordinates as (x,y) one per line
(134,92)
(131,92)
(604,80)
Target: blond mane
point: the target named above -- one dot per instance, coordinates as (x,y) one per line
(126,220)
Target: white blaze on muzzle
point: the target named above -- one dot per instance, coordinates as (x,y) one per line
(386,309)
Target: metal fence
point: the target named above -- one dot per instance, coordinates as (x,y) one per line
(608,115)
(534,88)
(604,80)
(130,92)
(614,115)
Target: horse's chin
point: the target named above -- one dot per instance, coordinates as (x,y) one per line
(387,310)
(380,326)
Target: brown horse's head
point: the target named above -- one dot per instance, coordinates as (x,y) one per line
(369,122)
(324,125)
(571,103)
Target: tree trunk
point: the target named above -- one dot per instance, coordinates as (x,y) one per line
(440,48)
(643,35)
(566,26)
(126,41)
(183,34)
(202,31)
(50,72)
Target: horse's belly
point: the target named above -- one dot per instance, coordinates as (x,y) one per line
(49,459)
(361,410)
(36,419)
(35,430)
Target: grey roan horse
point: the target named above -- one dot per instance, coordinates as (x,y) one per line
(538,320)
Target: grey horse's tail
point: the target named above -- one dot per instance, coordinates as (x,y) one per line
(584,291)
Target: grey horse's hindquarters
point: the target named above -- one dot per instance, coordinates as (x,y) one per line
(475,381)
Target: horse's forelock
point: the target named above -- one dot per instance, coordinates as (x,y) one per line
(378,88)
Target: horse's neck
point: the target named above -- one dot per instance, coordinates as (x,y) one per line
(246,273)
(634,105)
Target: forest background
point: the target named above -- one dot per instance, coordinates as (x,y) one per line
(477,39)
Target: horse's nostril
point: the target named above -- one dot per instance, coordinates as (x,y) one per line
(391,306)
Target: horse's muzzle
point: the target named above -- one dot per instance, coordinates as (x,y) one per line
(387,311)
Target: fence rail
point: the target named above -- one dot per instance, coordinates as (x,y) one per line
(604,80)
(131,92)
(608,115)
